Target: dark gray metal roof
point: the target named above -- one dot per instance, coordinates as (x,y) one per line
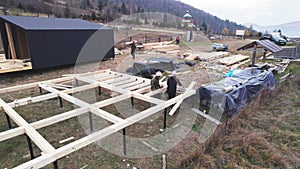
(266,44)
(38,23)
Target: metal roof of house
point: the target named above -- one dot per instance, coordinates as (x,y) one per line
(266,44)
(38,23)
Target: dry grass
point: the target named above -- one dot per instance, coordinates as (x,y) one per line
(266,134)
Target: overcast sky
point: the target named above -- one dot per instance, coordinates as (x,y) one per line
(261,12)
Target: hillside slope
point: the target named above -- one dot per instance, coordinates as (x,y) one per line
(266,134)
(108,10)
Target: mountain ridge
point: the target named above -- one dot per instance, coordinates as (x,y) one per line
(290,29)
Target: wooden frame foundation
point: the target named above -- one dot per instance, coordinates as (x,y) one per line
(133,87)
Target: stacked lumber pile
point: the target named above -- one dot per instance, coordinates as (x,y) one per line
(213,56)
(231,60)
(150,46)
(166,48)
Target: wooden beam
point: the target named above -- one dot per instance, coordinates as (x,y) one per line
(31,85)
(173,110)
(144,89)
(25,101)
(39,140)
(254,55)
(43,123)
(156,92)
(138,86)
(80,103)
(102,84)
(147,98)
(10,41)
(11,133)
(134,83)
(58,118)
(113,100)
(217,122)
(116,79)
(78,144)
(123,82)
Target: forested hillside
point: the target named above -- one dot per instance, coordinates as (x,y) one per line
(108,10)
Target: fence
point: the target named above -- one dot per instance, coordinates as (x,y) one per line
(290,53)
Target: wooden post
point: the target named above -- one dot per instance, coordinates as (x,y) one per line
(164,161)
(10,42)
(91,121)
(264,56)
(254,55)
(30,147)
(41,91)
(55,165)
(8,121)
(100,92)
(60,102)
(124,141)
(132,103)
(165,118)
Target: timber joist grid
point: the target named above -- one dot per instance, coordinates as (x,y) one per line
(127,86)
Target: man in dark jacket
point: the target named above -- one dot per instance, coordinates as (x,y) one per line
(172,85)
(133,48)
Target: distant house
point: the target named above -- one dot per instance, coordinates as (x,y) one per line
(50,42)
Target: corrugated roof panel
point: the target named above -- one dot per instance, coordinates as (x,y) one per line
(271,46)
(38,23)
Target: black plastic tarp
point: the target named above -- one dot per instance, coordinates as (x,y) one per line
(149,66)
(233,93)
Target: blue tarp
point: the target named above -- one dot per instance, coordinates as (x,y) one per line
(233,93)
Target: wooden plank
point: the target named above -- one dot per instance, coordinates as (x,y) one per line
(144,89)
(113,100)
(39,140)
(66,140)
(58,118)
(173,110)
(131,84)
(138,86)
(11,133)
(102,84)
(124,82)
(228,61)
(156,92)
(43,123)
(10,41)
(15,69)
(147,98)
(31,85)
(78,102)
(176,106)
(81,88)
(116,79)
(217,122)
(78,144)
(25,101)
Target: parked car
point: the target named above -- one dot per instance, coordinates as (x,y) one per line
(219,47)
(275,38)
(286,38)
